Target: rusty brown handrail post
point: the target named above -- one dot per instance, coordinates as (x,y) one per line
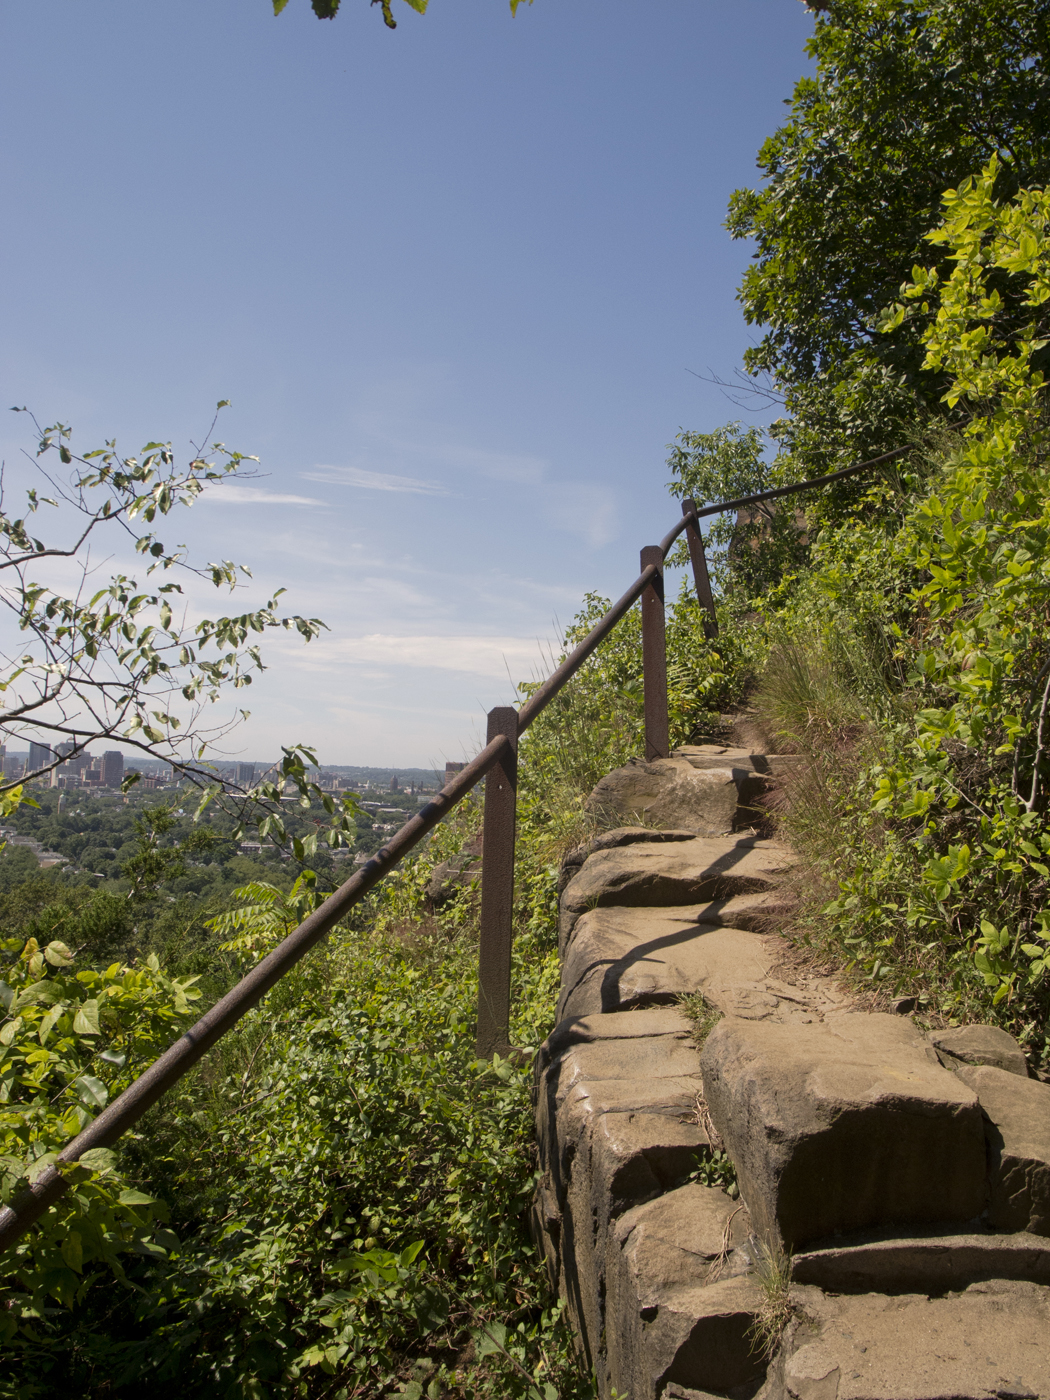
(497,889)
(700,575)
(654,657)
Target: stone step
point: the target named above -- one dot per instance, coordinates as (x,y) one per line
(1017,1129)
(609,840)
(979,1045)
(636,1062)
(616,1125)
(922,1262)
(673,873)
(770,765)
(710,797)
(849,1124)
(681,1302)
(912,1173)
(989,1340)
(618,959)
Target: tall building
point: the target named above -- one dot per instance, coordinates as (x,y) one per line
(394,785)
(245,774)
(63,774)
(79,765)
(451,769)
(39,757)
(112,768)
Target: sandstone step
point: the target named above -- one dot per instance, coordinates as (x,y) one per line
(771,765)
(986,1341)
(710,799)
(923,1262)
(1017,1124)
(635,1062)
(616,1126)
(844,1125)
(979,1045)
(680,1305)
(619,958)
(675,873)
(608,840)
(620,1160)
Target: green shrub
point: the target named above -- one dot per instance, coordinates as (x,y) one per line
(69,1041)
(911,662)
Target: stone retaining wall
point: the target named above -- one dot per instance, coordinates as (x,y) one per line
(900,1183)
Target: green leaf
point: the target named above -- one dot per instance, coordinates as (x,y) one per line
(491,1339)
(85,1022)
(73,1251)
(47,1025)
(136,1198)
(408,1254)
(98,1159)
(91,1091)
(57,954)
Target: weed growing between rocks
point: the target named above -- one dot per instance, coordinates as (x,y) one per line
(716,1169)
(772,1273)
(702,1017)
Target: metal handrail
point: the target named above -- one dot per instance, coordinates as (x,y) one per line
(497,763)
(777,491)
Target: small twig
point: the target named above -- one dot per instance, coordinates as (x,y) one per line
(703,1118)
(975,805)
(724,1251)
(242,1108)
(251,1062)
(513,1360)
(1037,759)
(1014,777)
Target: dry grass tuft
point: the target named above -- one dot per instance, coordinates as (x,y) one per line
(773,1276)
(702,1017)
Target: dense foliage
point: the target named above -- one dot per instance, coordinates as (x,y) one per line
(909,98)
(909,659)
(336,1201)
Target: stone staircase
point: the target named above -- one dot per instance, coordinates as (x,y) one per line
(890,1236)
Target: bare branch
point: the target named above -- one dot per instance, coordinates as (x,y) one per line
(750,386)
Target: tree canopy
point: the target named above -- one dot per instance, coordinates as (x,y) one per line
(910,97)
(120,659)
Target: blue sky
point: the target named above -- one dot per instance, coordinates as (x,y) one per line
(453,279)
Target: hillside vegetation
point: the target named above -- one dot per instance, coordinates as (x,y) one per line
(335,1202)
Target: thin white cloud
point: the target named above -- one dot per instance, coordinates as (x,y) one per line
(373,481)
(493,657)
(229,494)
(521,469)
(582,508)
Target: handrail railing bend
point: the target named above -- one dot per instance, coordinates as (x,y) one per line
(497,762)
